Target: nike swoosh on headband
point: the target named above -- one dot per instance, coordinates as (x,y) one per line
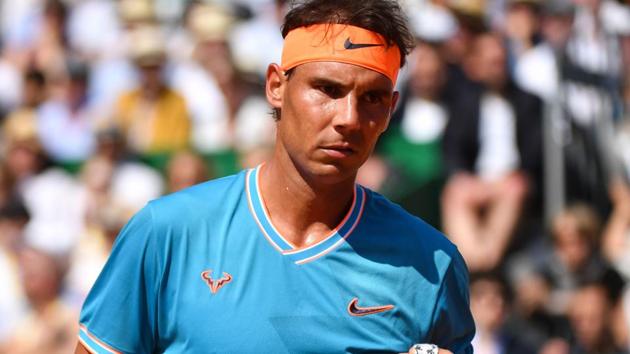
(349,45)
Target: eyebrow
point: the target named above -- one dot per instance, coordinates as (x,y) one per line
(326,81)
(379,92)
(332,82)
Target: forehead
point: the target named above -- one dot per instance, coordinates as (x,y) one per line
(485,287)
(488,42)
(343,74)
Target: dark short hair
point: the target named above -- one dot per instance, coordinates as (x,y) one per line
(384,17)
(588,221)
(35,76)
(14,210)
(494,277)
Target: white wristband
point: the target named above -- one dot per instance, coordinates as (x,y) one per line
(425,348)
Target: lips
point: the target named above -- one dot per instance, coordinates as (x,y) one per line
(338,150)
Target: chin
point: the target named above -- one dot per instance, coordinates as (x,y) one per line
(332,172)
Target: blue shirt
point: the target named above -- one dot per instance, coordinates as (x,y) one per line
(204,270)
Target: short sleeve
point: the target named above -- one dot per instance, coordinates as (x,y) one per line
(118,315)
(453,324)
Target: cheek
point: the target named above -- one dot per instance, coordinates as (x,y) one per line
(377,126)
(296,132)
(309,115)
(316,109)
(301,101)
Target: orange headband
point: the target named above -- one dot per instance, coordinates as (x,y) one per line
(341,43)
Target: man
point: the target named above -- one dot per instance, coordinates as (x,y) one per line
(293,256)
(153,117)
(492,153)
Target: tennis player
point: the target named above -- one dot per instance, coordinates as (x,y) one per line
(293,256)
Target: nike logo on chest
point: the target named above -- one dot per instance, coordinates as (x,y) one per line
(355,310)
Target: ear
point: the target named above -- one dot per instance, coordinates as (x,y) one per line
(395,97)
(275,85)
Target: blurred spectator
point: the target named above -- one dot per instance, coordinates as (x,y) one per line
(50,326)
(92,251)
(591,79)
(622,325)
(96,177)
(135,184)
(33,93)
(111,178)
(253,157)
(13,218)
(590,314)
(24,156)
(537,69)
(622,138)
(50,195)
(10,85)
(258,42)
(112,73)
(66,124)
(490,305)
(136,13)
(255,130)
(431,21)
(33,35)
(619,320)
(53,198)
(113,188)
(227,106)
(574,260)
(412,143)
(531,319)
(153,117)
(49,49)
(616,237)
(33,89)
(470,23)
(492,148)
(203,77)
(94,28)
(521,27)
(20,21)
(374,173)
(185,169)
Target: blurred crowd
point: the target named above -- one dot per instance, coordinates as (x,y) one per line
(512,136)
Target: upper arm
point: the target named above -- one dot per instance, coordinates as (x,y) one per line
(119,312)
(453,325)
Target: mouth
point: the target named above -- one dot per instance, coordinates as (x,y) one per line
(338,150)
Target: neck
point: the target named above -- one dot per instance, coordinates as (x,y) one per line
(302,210)
(41,304)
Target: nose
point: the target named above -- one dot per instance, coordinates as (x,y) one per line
(347,115)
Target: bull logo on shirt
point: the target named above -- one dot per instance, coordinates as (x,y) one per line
(215,284)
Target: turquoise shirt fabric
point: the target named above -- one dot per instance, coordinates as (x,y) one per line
(204,270)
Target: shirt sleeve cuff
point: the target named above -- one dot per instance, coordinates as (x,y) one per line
(94,345)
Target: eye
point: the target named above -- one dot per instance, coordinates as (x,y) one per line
(330,90)
(373,98)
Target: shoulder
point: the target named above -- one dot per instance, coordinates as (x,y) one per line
(206,196)
(128,97)
(205,200)
(522,99)
(176,217)
(173,96)
(409,235)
